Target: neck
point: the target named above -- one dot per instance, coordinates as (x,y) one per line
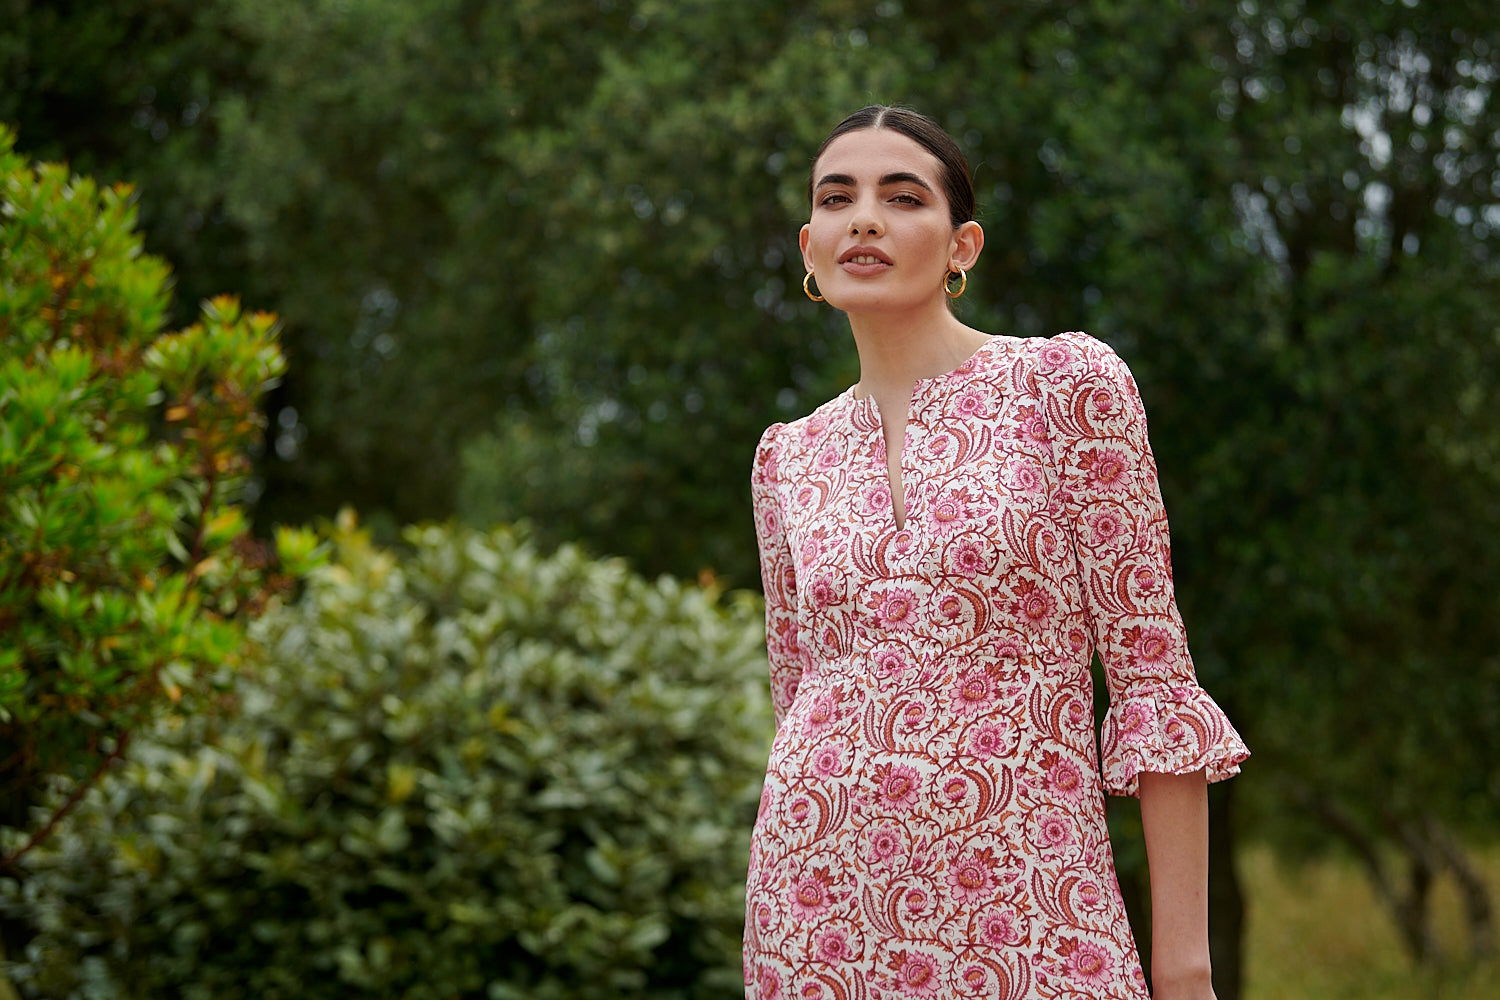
(897,349)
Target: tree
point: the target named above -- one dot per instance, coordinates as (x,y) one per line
(127,569)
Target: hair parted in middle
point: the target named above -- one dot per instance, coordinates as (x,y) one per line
(958,186)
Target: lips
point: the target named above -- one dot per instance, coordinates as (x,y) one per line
(864,262)
(864,255)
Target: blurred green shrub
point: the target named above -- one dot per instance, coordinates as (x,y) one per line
(471,771)
(127,569)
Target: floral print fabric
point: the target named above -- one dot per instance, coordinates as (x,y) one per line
(932,822)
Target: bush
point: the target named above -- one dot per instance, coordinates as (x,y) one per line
(127,568)
(474,771)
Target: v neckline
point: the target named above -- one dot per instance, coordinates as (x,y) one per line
(872,409)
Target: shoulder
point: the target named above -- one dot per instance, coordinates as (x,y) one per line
(783,442)
(1087,388)
(1075,355)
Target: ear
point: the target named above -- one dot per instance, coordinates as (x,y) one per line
(968,240)
(802,238)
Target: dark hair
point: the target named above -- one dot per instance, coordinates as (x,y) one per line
(957,185)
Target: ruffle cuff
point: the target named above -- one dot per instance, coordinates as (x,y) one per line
(1173,729)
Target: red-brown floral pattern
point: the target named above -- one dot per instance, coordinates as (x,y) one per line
(932,823)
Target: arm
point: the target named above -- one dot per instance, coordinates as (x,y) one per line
(1164,738)
(1159,719)
(778,577)
(1174,814)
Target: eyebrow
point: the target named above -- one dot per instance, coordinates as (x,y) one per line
(900,177)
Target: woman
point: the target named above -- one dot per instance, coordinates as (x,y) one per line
(943,547)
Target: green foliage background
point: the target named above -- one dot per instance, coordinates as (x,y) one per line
(537,260)
(475,771)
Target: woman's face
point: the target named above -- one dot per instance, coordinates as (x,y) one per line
(880,237)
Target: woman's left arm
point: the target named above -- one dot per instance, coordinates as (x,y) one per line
(1163,738)
(1174,814)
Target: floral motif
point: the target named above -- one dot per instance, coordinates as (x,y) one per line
(931,824)
(971,875)
(896,785)
(916,973)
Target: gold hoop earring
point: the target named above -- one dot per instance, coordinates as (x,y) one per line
(808,291)
(962,284)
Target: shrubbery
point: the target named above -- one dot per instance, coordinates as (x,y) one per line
(470,771)
(127,567)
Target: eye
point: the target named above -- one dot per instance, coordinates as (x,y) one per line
(833,198)
(907,199)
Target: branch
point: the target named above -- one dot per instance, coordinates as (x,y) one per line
(9,862)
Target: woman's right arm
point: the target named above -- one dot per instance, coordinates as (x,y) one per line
(778,576)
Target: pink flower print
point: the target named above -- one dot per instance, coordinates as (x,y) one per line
(1090,896)
(828,458)
(1006,649)
(903,538)
(890,662)
(897,609)
(812,991)
(916,974)
(968,557)
(951,607)
(885,844)
(988,738)
(1031,425)
(913,716)
(1078,714)
(971,875)
(877,498)
(973,693)
(896,785)
(770,522)
(811,893)
(1174,731)
(815,426)
(998,929)
(1131,720)
(1048,542)
(1064,777)
(767,983)
(824,711)
(1053,357)
(1053,829)
(832,946)
(975,977)
(916,902)
(1106,526)
(824,591)
(955,790)
(973,404)
(1102,401)
(1149,645)
(1087,962)
(800,809)
(771,466)
(1033,607)
(1026,479)
(1145,580)
(1107,469)
(951,511)
(828,761)
(812,548)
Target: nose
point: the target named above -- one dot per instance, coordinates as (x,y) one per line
(866,220)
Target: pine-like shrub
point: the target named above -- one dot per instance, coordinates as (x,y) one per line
(469,771)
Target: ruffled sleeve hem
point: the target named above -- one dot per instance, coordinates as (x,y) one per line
(1172,729)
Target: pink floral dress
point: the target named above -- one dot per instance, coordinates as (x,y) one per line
(932,824)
